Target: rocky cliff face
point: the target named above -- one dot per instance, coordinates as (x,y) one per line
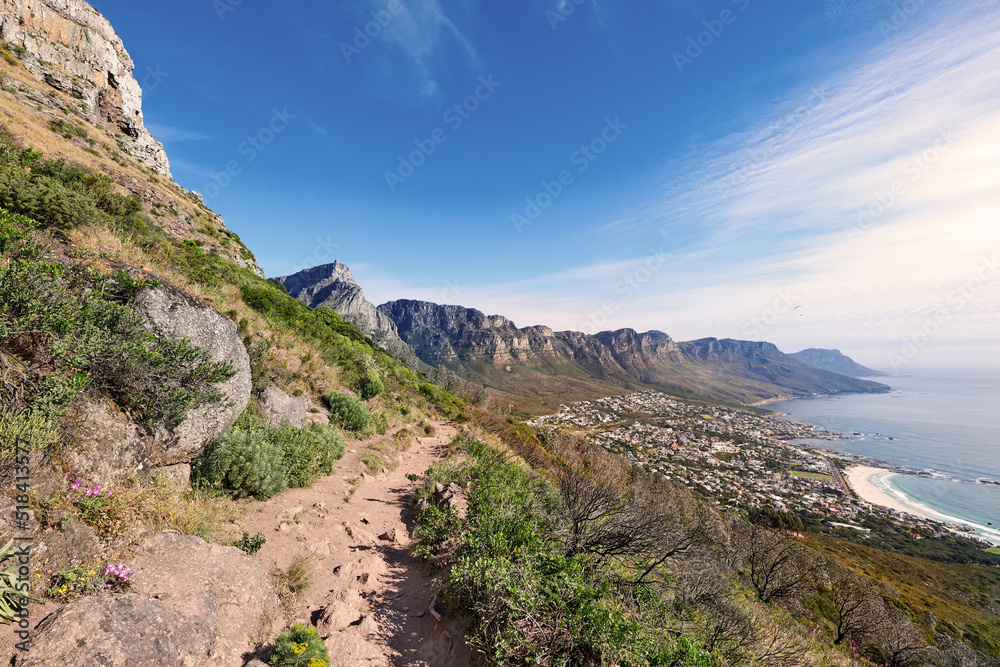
(444,335)
(332,285)
(491,349)
(71,47)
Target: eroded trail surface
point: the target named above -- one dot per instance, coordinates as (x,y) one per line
(369,598)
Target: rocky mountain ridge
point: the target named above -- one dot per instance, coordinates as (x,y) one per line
(71,47)
(494,350)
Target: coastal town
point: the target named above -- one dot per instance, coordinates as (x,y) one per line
(737,457)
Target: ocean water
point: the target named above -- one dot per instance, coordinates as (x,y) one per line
(946,427)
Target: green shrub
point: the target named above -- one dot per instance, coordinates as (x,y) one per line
(85,325)
(330,439)
(369,387)
(347,411)
(250,545)
(33,429)
(49,202)
(308,453)
(252,418)
(299,647)
(434,527)
(245,463)
(528,601)
(248,460)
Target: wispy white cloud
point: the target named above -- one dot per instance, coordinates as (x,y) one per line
(422,34)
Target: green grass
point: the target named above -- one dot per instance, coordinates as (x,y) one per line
(811,475)
(994,550)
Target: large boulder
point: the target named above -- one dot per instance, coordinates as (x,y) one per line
(206,583)
(107,443)
(175,314)
(119,631)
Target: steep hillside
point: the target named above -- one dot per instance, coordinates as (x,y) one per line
(140,347)
(67,91)
(835,361)
(529,364)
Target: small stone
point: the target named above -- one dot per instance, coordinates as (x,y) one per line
(321,506)
(388,536)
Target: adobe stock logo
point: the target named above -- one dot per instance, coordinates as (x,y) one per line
(697,44)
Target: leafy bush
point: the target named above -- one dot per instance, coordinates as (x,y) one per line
(299,647)
(83,324)
(33,429)
(49,202)
(74,582)
(255,460)
(369,387)
(245,463)
(530,602)
(448,404)
(59,195)
(109,515)
(250,545)
(347,411)
(309,452)
(329,439)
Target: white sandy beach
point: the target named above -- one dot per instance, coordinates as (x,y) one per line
(860,479)
(863,480)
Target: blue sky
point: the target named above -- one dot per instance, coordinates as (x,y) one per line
(814,174)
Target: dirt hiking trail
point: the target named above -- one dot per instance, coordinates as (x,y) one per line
(370,599)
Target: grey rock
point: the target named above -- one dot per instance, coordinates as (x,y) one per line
(107,444)
(71,47)
(452,496)
(280,408)
(175,314)
(119,631)
(65,546)
(213,585)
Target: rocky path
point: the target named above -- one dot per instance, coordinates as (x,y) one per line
(369,598)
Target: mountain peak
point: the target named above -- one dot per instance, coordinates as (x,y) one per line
(332,285)
(323,272)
